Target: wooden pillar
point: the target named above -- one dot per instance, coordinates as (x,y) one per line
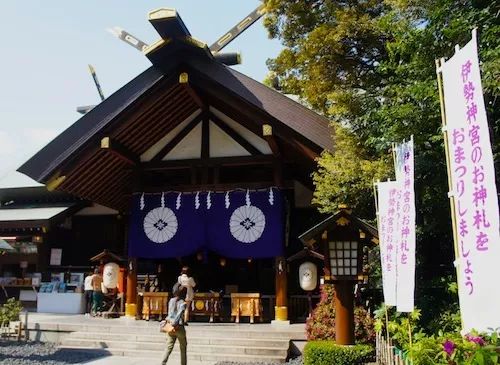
(281,308)
(131,298)
(344,312)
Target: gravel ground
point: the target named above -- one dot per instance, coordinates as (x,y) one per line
(35,353)
(297,361)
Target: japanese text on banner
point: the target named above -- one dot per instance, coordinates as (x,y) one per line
(473,190)
(388,237)
(406,238)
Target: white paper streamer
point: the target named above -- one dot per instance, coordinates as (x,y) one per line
(178,202)
(226,200)
(247,198)
(209,201)
(142,204)
(163,200)
(197,200)
(271,196)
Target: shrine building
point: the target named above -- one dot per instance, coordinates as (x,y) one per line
(205,166)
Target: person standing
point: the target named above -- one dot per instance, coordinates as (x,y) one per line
(97,296)
(176,310)
(88,289)
(186,281)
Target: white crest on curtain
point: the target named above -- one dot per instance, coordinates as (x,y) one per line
(247,223)
(178,202)
(271,196)
(247,198)
(141,203)
(209,201)
(162,200)
(160,225)
(226,200)
(197,200)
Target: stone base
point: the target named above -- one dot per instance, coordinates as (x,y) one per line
(280,323)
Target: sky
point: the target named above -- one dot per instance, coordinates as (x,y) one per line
(47,46)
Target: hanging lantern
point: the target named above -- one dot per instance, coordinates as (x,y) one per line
(110,275)
(222,261)
(199,256)
(308,276)
(249,260)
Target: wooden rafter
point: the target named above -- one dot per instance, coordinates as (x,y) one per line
(179,137)
(234,135)
(205,146)
(184,81)
(119,150)
(215,161)
(205,137)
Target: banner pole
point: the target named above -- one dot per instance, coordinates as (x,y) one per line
(394,159)
(439,64)
(410,337)
(386,322)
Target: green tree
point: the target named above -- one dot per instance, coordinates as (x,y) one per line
(369,66)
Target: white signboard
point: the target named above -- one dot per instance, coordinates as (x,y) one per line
(55,256)
(405,209)
(473,190)
(387,219)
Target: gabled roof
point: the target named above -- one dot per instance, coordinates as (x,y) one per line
(185,79)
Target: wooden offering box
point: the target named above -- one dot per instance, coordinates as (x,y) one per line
(206,304)
(154,303)
(246,305)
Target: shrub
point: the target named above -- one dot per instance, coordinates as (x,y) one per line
(328,353)
(321,326)
(10,311)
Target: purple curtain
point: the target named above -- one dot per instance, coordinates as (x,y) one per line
(236,224)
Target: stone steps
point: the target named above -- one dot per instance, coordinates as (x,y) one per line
(239,331)
(207,343)
(194,339)
(160,346)
(191,355)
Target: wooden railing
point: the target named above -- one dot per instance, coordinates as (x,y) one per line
(387,354)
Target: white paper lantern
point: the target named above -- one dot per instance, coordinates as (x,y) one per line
(308,276)
(110,275)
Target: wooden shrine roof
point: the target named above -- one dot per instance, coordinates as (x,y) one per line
(185,79)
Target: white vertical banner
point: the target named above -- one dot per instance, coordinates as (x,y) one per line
(405,177)
(473,190)
(388,229)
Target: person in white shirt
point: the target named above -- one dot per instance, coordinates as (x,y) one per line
(89,290)
(186,281)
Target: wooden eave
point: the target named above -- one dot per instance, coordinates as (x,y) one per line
(330,222)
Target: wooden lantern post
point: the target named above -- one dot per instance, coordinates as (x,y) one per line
(344,312)
(343,238)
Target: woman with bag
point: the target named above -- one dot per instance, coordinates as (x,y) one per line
(175,325)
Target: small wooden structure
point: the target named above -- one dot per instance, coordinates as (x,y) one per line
(246,305)
(343,240)
(206,304)
(154,304)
